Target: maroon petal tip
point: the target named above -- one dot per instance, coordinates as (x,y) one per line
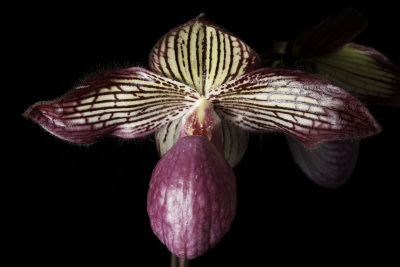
(49,116)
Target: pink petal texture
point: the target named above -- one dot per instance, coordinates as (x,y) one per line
(128,103)
(191,200)
(330,164)
(308,107)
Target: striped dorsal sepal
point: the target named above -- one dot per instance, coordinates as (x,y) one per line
(202,55)
(310,108)
(128,103)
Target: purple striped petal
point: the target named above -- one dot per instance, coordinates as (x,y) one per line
(202,55)
(362,71)
(329,35)
(302,105)
(191,200)
(330,164)
(128,103)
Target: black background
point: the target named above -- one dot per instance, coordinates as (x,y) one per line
(87,204)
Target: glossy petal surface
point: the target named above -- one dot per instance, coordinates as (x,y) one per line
(330,164)
(364,72)
(310,108)
(192,197)
(128,103)
(202,55)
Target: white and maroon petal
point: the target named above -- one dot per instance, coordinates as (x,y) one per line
(191,200)
(202,55)
(310,108)
(128,103)
(330,164)
(362,71)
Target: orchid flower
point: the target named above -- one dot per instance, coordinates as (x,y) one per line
(204,93)
(326,50)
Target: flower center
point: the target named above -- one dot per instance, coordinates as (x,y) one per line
(203,121)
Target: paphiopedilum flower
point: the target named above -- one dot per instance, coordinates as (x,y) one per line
(204,92)
(327,50)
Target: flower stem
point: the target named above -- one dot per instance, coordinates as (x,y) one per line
(178,262)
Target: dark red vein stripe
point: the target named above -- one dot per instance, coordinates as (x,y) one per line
(93,110)
(310,108)
(202,55)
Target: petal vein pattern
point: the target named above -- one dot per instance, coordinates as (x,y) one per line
(202,55)
(364,72)
(330,164)
(128,103)
(303,105)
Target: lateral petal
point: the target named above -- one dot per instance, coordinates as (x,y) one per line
(202,55)
(310,108)
(330,164)
(128,103)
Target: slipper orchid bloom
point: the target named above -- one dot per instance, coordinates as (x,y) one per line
(327,50)
(204,92)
